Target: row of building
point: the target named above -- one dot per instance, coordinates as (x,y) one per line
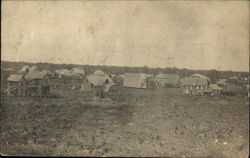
(32,82)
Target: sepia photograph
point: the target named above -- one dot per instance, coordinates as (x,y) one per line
(125,78)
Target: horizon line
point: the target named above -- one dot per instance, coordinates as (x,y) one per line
(128,66)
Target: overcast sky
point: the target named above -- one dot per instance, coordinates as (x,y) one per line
(194,35)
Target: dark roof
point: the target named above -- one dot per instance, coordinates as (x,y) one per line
(15,77)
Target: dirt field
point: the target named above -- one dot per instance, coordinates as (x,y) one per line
(160,122)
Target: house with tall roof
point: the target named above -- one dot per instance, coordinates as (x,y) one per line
(38,84)
(99,84)
(194,85)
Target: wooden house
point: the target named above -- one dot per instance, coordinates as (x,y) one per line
(38,84)
(94,80)
(135,80)
(194,85)
(16,85)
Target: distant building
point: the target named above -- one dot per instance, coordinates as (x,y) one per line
(65,72)
(16,85)
(135,80)
(215,89)
(243,81)
(78,72)
(99,73)
(197,75)
(33,68)
(24,70)
(222,82)
(194,85)
(163,80)
(233,79)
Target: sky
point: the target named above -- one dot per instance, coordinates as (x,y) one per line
(194,35)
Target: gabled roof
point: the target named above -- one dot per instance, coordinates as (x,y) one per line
(99,72)
(14,77)
(192,81)
(98,79)
(35,75)
(214,86)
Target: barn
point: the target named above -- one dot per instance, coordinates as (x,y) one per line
(135,80)
(163,80)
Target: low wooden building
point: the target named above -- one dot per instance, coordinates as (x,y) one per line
(135,80)
(16,85)
(165,80)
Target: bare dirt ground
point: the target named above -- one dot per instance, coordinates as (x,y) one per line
(160,122)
